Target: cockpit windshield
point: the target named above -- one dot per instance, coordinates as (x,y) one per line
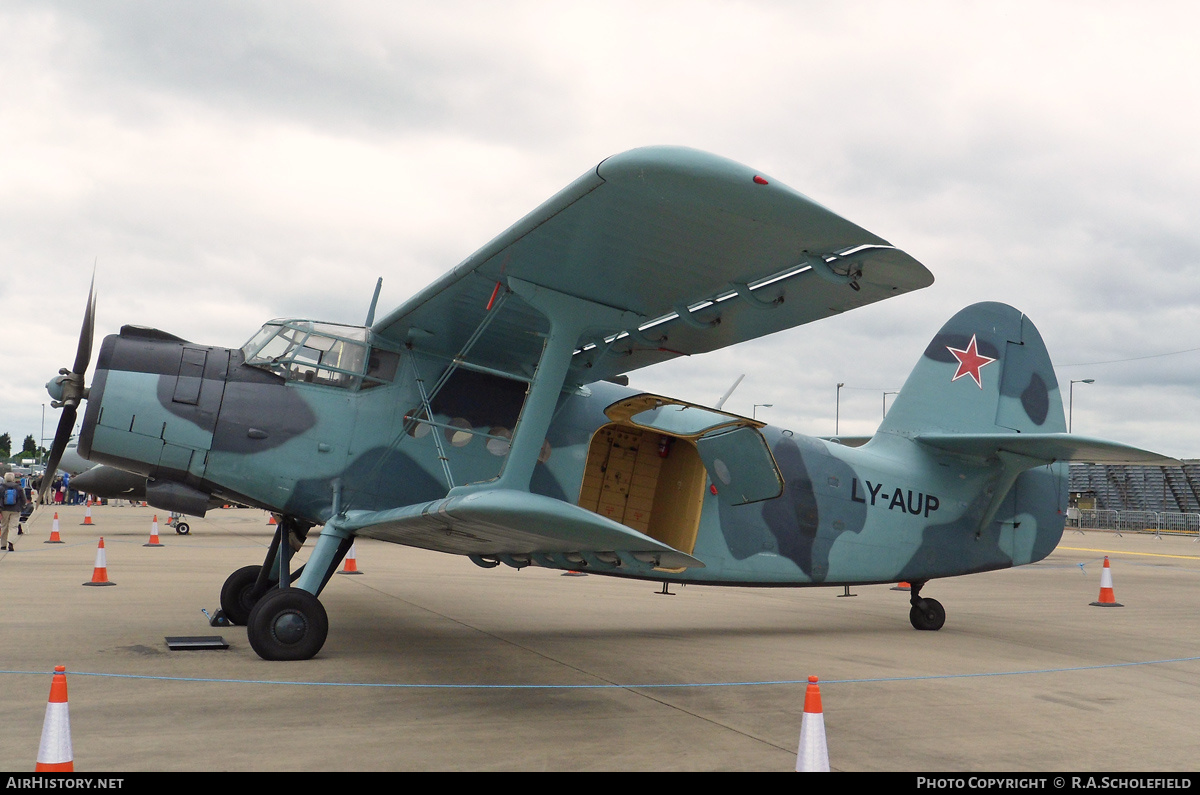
(329,354)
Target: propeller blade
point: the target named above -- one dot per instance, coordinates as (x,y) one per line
(73,391)
(83,354)
(66,424)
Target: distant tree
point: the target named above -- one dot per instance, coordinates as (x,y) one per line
(30,446)
(5,445)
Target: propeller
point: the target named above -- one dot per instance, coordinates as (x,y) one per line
(67,390)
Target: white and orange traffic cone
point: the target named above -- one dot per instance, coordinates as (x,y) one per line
(272,521)
(351,566)
(54,536)
(54,753)
(902,586)
(813,756)
(100,573)
(87,517)
(1106,588)
(153,542)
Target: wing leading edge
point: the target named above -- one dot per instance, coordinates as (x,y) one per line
(698,251)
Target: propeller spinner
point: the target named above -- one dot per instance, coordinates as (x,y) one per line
(67,390)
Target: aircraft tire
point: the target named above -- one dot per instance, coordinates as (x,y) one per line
(287,624)
(182,528)
(237,594)
(927,614)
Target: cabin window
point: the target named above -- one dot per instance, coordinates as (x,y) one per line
(459,432)
(500,441)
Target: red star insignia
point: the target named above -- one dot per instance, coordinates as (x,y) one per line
(969,362)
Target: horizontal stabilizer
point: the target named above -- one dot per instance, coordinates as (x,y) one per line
(498,522)
(1046,447)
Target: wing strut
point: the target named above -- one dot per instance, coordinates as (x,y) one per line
(437,437)
(569,318)
(493,310)
(427,397)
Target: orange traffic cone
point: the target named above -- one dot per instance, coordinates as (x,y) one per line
(100,573)
(1106,590)
(351,566)
(902,586)
(153,542)
(54,537)
(813,756)
(272,520)
(54,753)
(87,517)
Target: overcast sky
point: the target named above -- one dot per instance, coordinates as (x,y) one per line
(229,162)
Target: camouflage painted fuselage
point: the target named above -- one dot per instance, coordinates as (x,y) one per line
(199,421)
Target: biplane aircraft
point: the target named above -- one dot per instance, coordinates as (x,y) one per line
(490,417)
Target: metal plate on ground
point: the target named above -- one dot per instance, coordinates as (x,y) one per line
(196,643)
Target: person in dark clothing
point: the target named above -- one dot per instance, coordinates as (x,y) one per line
(12,501)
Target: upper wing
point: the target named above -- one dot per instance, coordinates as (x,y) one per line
(703,251)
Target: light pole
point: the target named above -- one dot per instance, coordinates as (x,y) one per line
(885,394)
(1071,400)
(837,411)
(754,410)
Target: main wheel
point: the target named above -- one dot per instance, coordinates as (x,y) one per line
(238,596)
(287,624)
(182,528)
(927,614)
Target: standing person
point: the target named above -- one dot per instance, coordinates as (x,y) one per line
(12,500)
(30,504)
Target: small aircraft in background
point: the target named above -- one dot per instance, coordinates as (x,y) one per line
(489,416)
(72,462)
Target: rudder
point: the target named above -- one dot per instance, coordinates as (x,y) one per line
(986,371)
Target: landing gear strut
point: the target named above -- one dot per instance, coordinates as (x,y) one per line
(926,614)
(247,585)
(285,622)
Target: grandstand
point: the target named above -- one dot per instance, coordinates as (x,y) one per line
(1112,487)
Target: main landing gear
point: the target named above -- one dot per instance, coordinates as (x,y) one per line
(927,614)
(287,624)
(284,622)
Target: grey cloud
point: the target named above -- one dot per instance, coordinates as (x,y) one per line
(306,63)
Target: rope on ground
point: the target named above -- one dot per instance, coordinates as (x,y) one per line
(644,686)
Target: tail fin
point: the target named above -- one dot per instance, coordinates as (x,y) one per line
(985,388)
(986,371)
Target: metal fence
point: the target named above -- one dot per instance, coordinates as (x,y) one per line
(1157,521)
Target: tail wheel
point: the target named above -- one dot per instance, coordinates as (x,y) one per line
(287,624)
(927,614)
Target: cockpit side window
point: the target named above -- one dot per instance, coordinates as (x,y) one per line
(381,367)
(321,353)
